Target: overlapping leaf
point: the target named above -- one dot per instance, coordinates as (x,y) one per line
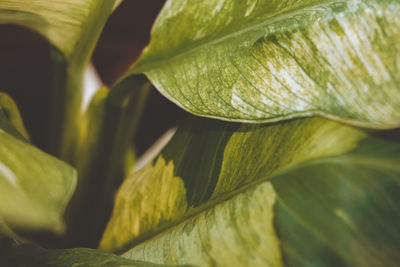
(263,60)
(333,211)
(209,161)
(34,186)
(72,27)
(68,25)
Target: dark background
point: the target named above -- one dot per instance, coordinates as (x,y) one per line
(26,70)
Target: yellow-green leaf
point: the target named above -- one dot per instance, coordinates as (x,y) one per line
(72,27)
(209,161)
(67,24)
(263,60)
(332,211)
(34,186)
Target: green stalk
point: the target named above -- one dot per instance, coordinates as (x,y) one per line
(65,115)
(68,84)
(104,143)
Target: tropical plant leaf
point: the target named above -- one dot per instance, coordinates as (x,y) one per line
(333,211)
(67,24)
(34,186)
(33,256)
(72,27)
(207,162)
(263,61)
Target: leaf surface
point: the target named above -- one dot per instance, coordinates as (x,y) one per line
(332,211)
(263,60)
(66,24)
(34,186)
(209,161)
(72,27)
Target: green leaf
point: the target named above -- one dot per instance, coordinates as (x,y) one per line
(72,27)
(209,161)
(67,24)
(29,255)
(117,4)
(333,211)
(265,61)
(34,186)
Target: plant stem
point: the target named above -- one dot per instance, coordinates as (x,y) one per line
(104,142)
(67,97)
(68,84)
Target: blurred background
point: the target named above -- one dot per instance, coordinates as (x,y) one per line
(26,70)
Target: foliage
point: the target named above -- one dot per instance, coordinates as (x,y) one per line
(300,168)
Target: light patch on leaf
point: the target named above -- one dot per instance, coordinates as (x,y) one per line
(200,33)
(166,203)
(251,4)
(174,8)
(8,174)
(238,103)
(238,232)
(218,7)
(344,217)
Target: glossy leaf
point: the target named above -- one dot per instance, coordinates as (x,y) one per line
(209,161)
(332,211)
(33,256)
(34,186)
(264,61)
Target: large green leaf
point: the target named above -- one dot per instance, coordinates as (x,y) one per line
(209,161)
(333,211)
(33,256)
(263,60)
(34,186)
